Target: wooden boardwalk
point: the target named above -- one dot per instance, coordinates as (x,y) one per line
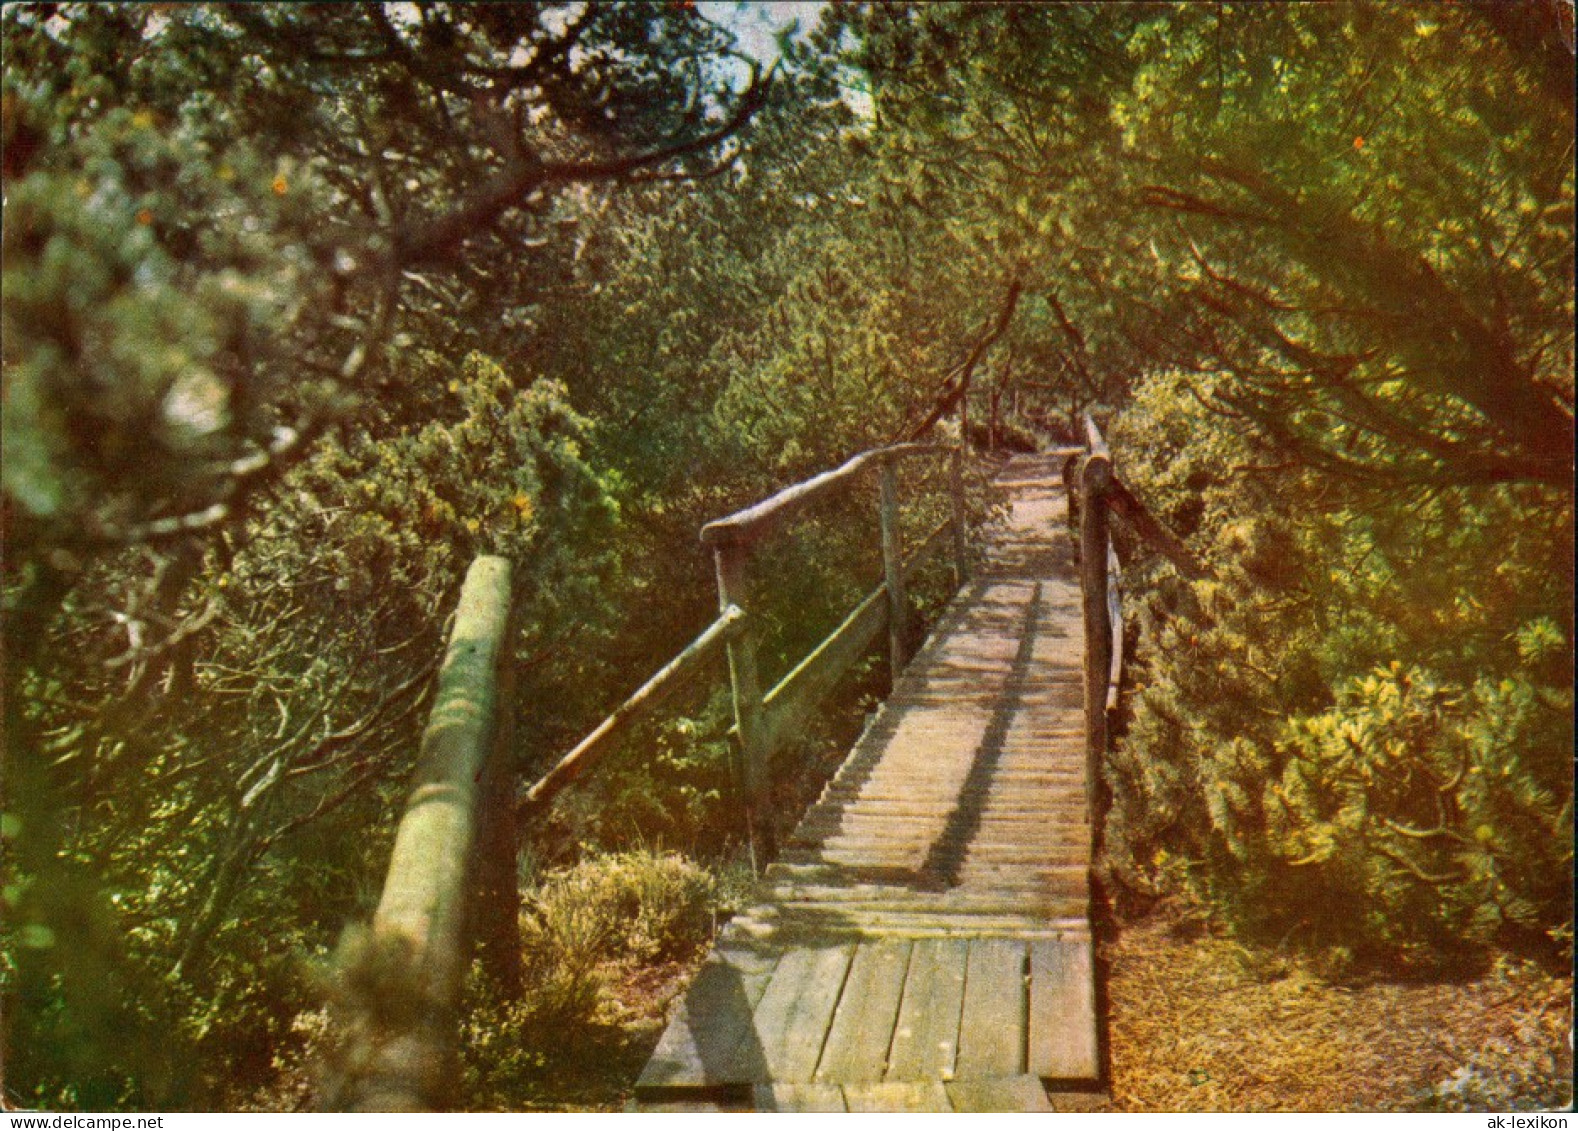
(923,943)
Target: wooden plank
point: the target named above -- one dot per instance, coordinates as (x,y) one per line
(792,1019)
(1062,1043)
(1066,804)
(1053,838)
(805,867)
(1028,900)
(1037,913)
(895,1096)
(1012,1093)
(926,1034)
(799,1097)
(857,1044)
(879,815)
(992,1029)
(710,1039)
(824,923)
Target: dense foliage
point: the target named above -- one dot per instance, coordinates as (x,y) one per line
(304,306)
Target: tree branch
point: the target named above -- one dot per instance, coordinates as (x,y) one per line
(437,239)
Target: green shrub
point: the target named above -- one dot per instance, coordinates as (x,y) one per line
(638,906)
(581,924)
(1357,733)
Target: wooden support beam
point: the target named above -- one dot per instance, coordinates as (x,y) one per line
(961,544)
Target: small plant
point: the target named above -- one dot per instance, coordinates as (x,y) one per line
(582,926)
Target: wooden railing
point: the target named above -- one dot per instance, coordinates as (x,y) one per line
(451,878)
(1098,493)
(762,720)
(1102,606)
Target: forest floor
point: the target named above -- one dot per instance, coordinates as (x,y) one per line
(1198,1022)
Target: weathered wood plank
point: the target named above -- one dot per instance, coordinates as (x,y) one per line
(926,1034)
(936,832)
(799,1097)
(796,1010)
(1012,1093)
(992,1029)
(830,922)
(711,1039)
(1025,903)
(857,1043)
(1068,801)
(1062,1043)
(1070,879)
(896,1096)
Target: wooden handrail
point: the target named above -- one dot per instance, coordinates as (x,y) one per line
(641,703)
(1102,493)
(755,520)
(401,980)
(784,706)
(1148,528)
(763,717)
(1095,555)
(732,539)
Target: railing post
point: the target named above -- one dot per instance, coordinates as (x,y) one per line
(1071,470)
(961,546)
(732,559)
(893,571)
(1114,622)
(1095,474)
(401,982)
